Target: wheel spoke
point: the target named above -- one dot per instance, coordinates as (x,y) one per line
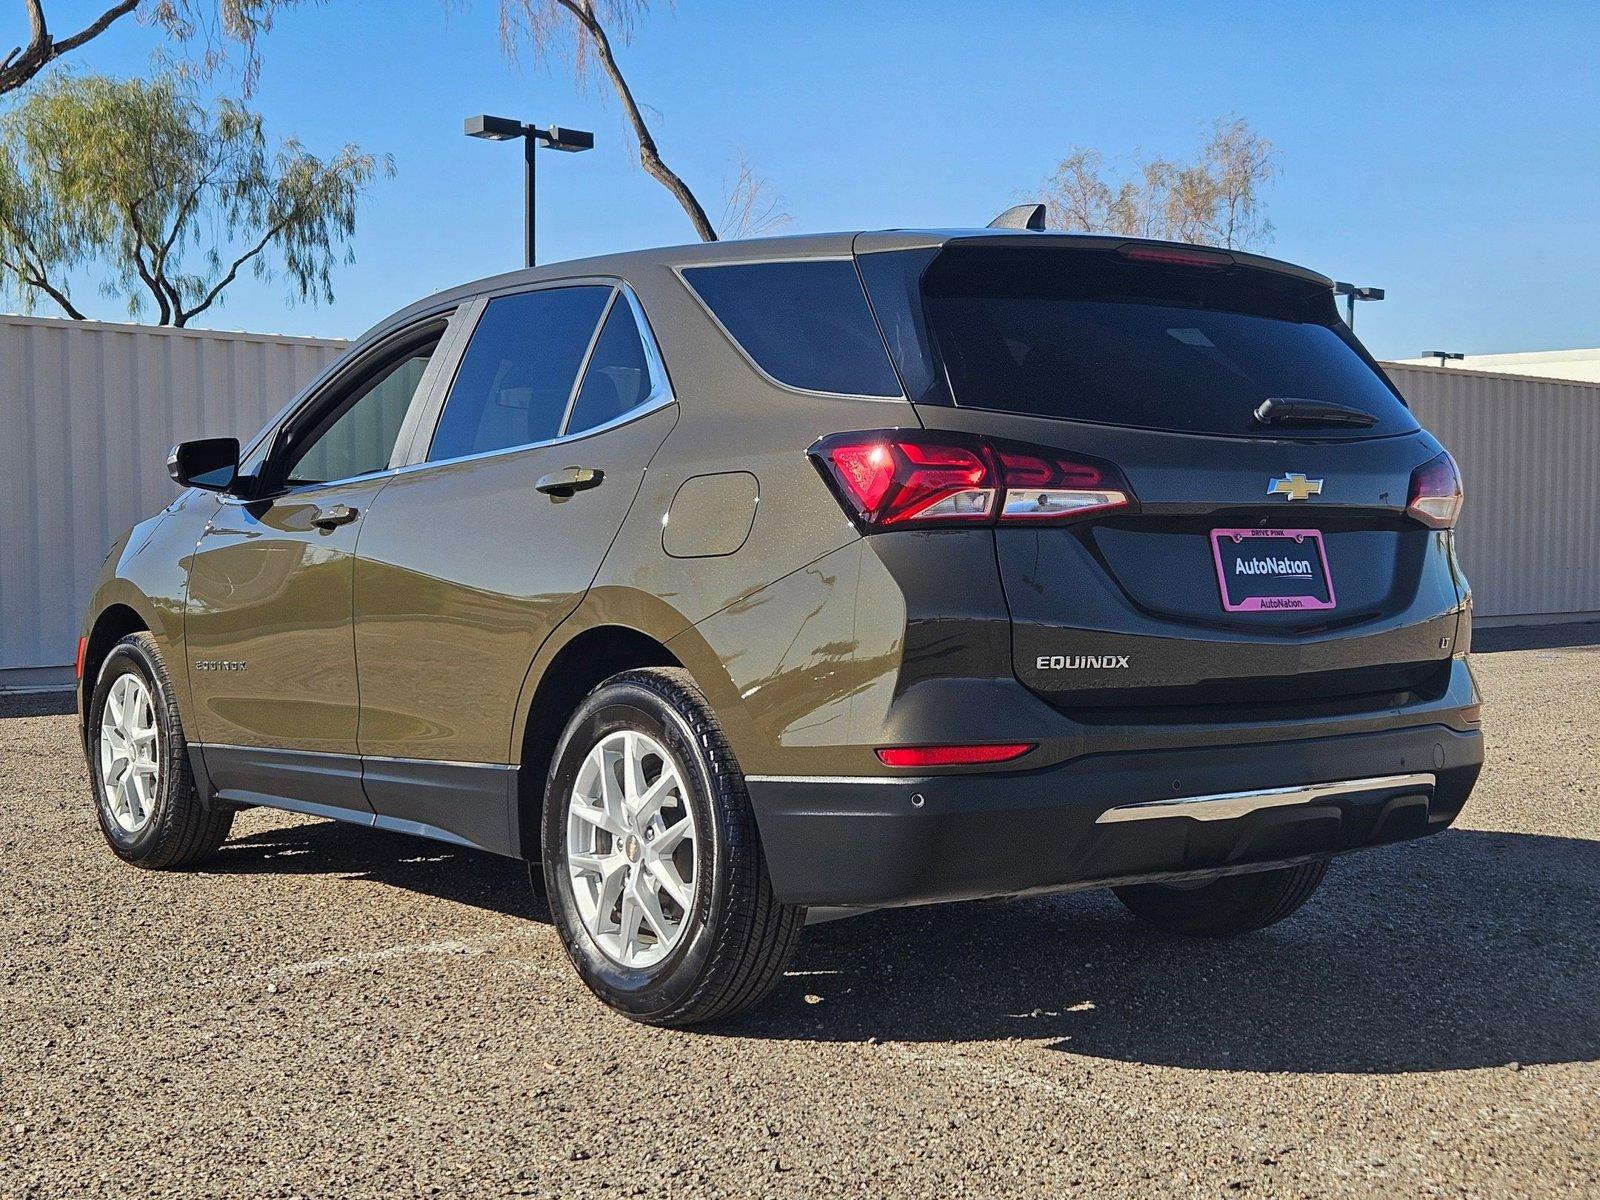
(650,905)
(667,840)
(596,816)
(665,873)
(634,786)
(628,932)
(611,792)
(651,799)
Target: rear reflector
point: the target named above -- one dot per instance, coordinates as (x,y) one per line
(1436,492)
(83,649)
(951,756)
(888,478)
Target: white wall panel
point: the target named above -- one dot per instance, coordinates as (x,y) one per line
(88,412)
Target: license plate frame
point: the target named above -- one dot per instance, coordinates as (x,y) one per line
(1239,597)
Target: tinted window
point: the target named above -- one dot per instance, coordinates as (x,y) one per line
(517,374)
(806,324)
(1071,335)
(618,375)
(360,438)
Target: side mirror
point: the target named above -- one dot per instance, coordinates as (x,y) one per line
(208,463)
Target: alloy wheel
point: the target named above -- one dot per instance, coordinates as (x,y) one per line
(632,853)
(130,753)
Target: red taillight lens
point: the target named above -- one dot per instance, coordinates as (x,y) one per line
(951,756)
(1436,492)
(1177,256)
(1038,487)
(892,477)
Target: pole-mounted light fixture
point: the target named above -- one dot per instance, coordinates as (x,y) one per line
(505,129)
(1351,294)
(1444,356)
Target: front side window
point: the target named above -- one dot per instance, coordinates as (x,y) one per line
(518,371)
(357,436)
(805,323)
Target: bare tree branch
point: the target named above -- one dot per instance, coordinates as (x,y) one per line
(539,25)
(57,295)
(23,63)
(750,205)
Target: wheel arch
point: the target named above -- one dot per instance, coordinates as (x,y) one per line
(115,621)
(571,672)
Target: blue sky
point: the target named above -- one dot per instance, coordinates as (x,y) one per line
(1450,154)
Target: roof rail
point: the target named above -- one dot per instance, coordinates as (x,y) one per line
(1020,216)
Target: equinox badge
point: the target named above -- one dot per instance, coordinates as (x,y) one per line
(1295,487)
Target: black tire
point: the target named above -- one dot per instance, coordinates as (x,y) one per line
(736,939)
(1228,906)
(179,831)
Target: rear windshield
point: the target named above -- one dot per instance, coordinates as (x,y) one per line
(1089,336)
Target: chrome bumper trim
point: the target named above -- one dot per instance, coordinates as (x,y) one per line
(1227,805)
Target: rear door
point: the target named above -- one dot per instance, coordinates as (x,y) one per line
(479,548)
(1263,563)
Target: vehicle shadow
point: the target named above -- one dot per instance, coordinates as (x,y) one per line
(455,873)
(1468,949)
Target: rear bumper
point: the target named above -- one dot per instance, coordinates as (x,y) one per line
(892,841)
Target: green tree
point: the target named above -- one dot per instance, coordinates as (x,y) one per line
(1218,199)
(214,23)
(173,200)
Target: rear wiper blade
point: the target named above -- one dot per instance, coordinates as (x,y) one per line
(1283,410)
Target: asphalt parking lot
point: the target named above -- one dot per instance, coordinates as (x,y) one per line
(327,1011)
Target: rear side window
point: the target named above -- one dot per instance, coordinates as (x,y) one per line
(518,371)
(1088,336)
(806,324)
(617,378)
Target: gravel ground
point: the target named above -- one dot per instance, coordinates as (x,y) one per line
(327,1011)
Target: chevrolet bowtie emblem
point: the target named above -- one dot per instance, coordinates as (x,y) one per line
(1295,487)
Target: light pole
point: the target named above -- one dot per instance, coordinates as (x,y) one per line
(1351,294)
(504,129)
(1444,356)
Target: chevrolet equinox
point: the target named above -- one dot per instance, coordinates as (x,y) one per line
(731,582)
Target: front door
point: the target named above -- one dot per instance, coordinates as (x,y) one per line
(470,559)
(268,618)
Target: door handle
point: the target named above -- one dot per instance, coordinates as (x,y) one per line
(568,480)
(332,518)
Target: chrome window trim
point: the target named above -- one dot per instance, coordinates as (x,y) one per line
(679,269)
(659,396)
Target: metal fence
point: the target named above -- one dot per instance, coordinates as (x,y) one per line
(87,413)
(1529,451)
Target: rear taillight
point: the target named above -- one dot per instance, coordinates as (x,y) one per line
(892,478)
(1436,492)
